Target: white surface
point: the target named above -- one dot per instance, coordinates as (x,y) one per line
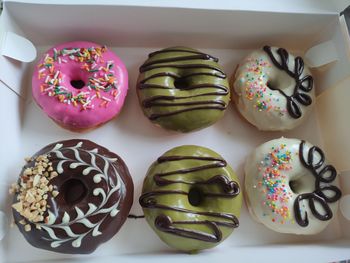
(229,35)
(232,137)
(295,6)
(161,26)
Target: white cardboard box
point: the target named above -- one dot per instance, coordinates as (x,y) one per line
(229,31)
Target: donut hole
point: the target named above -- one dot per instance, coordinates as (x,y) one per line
(77,84)
(195,196)
(282,82)
(303,184)
(294,186)
(181,83)
(272,85)
(74,191)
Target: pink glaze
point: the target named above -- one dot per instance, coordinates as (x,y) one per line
(97,105)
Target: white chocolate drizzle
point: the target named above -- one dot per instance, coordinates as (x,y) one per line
(83,218)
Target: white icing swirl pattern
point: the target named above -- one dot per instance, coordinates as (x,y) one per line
(67,221)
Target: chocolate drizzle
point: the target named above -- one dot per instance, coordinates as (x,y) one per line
(189,67)
(164,223)
(323,176)
(183,50)
(304,84)
(176,76)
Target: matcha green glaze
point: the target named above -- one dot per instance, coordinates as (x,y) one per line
(178,220)
(182,89)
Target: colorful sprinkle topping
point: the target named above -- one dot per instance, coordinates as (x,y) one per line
(273,183)
(102,84)
(255,79)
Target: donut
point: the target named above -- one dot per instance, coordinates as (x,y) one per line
(80,85)
(72,196)
(273,90)
(182,89)
(191,198)
(290,187)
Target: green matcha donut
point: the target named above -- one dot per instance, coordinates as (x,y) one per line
(191,198)
(182,89)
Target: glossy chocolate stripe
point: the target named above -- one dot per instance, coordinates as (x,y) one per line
(293,107)
(154,103)
(147,201)
(170,72)
(181,50)
(190,87)
(164,223)
(163,159)
(217,163)
(212,104)
(230,188)
(318,195)
(159,75)
(160,115)
(176,59)
(154,86)
(175,76)
(153,100)
(182,66)
(284,60)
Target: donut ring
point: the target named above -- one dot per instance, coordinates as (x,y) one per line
(77,195)
(191,198)
(182,89)
(290,187)
(80,85)
(273,90)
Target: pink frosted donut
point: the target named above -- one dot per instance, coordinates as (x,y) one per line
(80,85)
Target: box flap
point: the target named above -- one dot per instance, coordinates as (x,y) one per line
(321,54)
(333,103)
(15,52)
(333,113)
(17,47)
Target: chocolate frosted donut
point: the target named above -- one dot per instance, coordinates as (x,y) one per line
(182,89)
(72,196)
(191,198)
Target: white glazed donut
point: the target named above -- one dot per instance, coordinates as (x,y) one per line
(290,188)
(273,90)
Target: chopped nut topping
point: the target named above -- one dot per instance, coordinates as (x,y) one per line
(27,227)
(32,191)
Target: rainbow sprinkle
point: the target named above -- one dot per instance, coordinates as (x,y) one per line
(102,81)
(254,79)
(273,182)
